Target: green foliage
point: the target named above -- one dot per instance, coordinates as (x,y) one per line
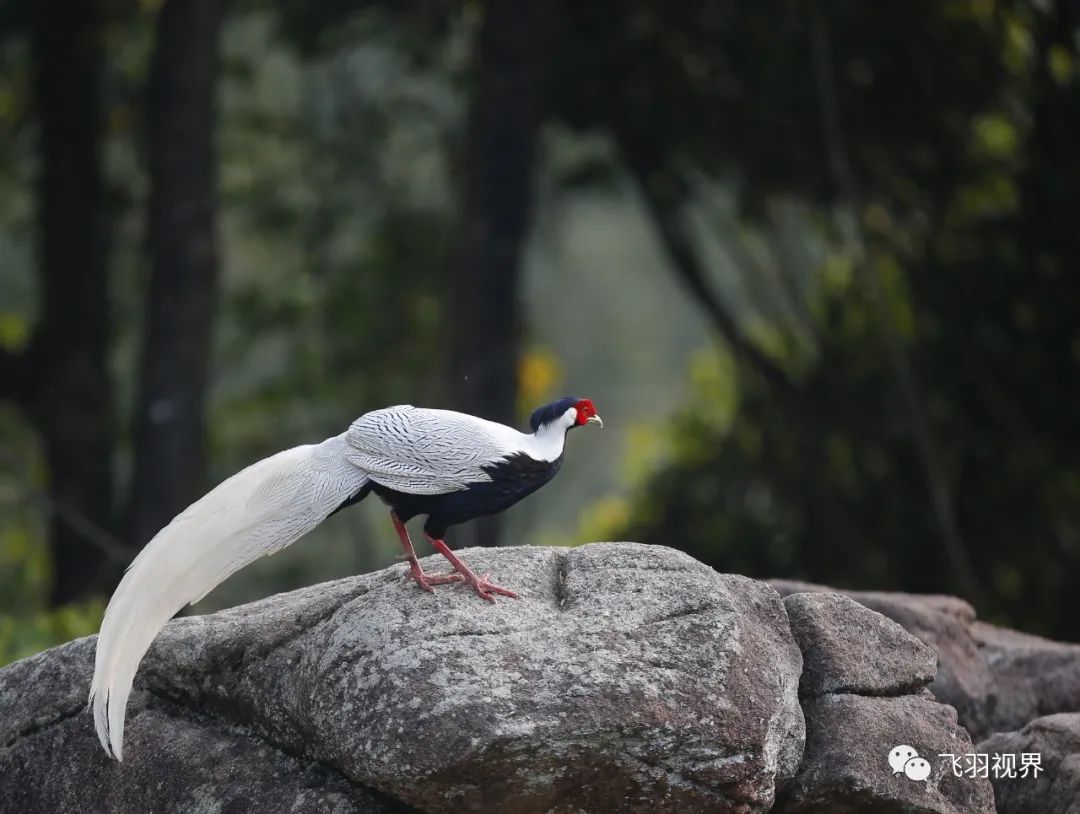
(872,187)
(25,634)
(723,87)
(26,626)
(335,233)
(960,274)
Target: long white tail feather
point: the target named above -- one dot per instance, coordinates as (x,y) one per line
(257,512)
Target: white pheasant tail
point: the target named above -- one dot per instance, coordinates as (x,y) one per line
(258,511)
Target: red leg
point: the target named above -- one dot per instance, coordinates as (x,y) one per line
(481,585)
(425,581)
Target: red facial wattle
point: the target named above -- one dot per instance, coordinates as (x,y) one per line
(586,414)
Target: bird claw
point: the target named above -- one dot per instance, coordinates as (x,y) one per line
(484,588)
(426,581)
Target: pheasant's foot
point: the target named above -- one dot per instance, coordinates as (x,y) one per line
(482,586)
(485,587)
(427,581)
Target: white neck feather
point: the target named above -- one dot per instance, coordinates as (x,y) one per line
(546,444)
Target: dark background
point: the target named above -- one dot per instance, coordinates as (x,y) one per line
(815,260)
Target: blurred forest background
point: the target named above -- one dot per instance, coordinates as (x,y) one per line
(816,261)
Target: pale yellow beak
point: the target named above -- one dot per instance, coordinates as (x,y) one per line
(595,419)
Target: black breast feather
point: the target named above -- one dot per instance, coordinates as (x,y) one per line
(512,479)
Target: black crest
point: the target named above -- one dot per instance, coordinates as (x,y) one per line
(550,412)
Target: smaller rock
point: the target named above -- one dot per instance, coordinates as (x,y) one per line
(997,679)
(1056,788)
(1031,677)
(848,648)
(846,765)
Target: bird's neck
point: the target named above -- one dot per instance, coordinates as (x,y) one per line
(546,444)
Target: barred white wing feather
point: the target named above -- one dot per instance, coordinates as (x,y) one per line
(257,512)
(428,452)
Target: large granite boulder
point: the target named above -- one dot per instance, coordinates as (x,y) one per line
(627,678)
(181,760)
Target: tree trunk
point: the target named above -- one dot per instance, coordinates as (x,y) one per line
(484,317)
(169,465)
(70,399)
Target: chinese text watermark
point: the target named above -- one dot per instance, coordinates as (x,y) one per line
(999,765)
(905,760)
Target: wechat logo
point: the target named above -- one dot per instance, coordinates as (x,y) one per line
(905,760)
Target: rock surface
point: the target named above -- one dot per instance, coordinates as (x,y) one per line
(848,648)
(997,679)
(180,760)
(1056,788)
(863,694)
(846,769)
(628,678)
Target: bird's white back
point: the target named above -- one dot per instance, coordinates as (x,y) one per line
(431,452)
